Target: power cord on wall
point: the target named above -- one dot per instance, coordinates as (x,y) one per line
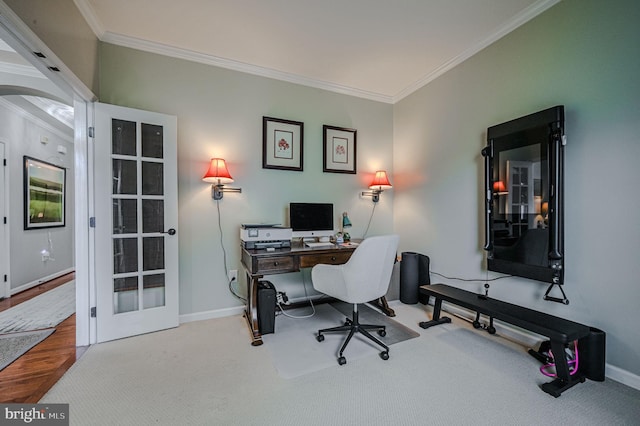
(224,258)
(47,253)
(471,279)
(485,281)
(369,223)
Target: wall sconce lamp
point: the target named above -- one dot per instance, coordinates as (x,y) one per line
(380,183)
(218,175)
(499,188)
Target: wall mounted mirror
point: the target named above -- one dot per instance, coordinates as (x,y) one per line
(524,202)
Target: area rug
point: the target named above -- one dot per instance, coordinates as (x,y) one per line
(295,351)
(14,345)
(43,311)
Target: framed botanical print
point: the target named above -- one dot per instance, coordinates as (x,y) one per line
(282,144)
(44,194)
(339,149)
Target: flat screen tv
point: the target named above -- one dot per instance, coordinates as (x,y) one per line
(311,220)
(524,201)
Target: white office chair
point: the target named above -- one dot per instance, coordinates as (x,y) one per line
(363,278)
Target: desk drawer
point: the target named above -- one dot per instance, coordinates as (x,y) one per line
(310,260)
(276,264)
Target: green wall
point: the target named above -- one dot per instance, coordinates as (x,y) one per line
(220,115)
(585,55)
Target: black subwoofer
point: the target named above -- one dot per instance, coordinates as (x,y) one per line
(266,307)
(414,272)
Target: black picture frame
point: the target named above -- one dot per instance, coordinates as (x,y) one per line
(339,149)
(282,144)
(44,194)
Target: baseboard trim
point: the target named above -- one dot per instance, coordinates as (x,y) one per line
(622,376)
(39,281)
(532,340)
(216,313)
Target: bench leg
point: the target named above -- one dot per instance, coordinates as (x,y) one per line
(437,307)
(564,379)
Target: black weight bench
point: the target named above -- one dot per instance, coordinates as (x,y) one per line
(559,331)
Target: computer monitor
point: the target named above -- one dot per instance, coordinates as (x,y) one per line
(311,220)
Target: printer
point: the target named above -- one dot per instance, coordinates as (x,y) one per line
(261,236)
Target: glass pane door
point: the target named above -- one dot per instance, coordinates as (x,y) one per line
(138,216)
(136,209)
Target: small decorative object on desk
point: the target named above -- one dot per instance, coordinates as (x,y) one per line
(346,223)
(348,244)
(339,238)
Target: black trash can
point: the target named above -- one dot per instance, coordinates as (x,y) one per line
(592,353)
(414,272)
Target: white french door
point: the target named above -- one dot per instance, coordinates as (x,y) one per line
(136,206)
(520,198)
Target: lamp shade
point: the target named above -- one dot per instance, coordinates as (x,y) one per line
(217,173)
(380,181)
(544,209)
(499,187)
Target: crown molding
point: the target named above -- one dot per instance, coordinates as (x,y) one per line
(35,120)
(89,15)
(179,53)
(519,19)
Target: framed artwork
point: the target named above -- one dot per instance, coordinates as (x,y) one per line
(339,150)
(282,143)
(44,194)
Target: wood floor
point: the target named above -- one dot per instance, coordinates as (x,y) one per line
(28,378)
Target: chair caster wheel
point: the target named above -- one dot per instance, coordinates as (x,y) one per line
(491,330)
(320,338)
(342,360)
(384,355)
(382,333)
(476,324)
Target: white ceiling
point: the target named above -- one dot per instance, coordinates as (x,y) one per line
(376,49)
(27,92)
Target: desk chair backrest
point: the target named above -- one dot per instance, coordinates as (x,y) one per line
(365,276)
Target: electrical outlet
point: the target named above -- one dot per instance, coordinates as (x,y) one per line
(45,255)
(233,275)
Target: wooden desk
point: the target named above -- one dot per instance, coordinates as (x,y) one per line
(258,263)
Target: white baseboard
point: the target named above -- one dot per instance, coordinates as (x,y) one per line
(39,281)
(532,340)
(622,376)
(217,313)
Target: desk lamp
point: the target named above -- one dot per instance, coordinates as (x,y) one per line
(346,223)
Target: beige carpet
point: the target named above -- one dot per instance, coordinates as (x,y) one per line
(207,373)
(295,352)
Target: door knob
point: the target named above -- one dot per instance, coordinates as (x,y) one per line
(171,231)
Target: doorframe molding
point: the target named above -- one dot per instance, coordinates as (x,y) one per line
(24,41)
(7,229)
